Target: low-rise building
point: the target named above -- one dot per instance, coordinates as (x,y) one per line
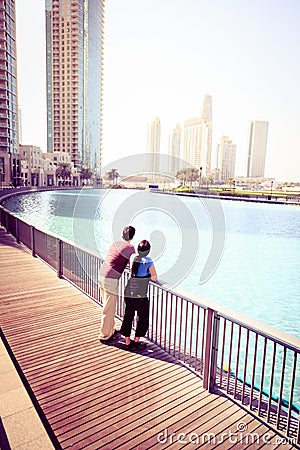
(40,169)
(32,166)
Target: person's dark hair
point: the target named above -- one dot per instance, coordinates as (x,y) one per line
(128,233)
(143,250)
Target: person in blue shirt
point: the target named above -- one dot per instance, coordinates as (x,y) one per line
(136,297)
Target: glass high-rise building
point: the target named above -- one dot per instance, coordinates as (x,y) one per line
(74,46)
(257,148)
(10,165)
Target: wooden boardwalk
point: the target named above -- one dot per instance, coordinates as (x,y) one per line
(96,396)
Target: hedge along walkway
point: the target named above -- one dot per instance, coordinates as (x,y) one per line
(94,396)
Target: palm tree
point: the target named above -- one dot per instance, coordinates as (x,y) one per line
(85,173)
(230,181)
(192,175)
(63,171)
(113,176)
(189,174)
(182,175)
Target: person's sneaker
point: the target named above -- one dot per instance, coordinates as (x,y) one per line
(139,346)
(114,337)
(117,334)
(129,346)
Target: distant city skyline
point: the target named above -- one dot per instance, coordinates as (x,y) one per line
(250,67)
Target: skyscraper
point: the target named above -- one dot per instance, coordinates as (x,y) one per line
(10,165)
(174,150)
(153,146)
(206,131)
(192,142)
(197,147)
(226,158)
(257,149)
(74,46)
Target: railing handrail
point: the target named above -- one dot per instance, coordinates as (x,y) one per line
(293,342)
(54,235)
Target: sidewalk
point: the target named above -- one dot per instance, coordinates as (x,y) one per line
(20,425)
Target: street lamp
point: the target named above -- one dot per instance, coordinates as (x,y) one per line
(200,177)
(271,188)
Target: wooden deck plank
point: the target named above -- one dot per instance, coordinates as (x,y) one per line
(103,401)
(214,422)
(92,395)
(66,391)
(126,415)
(182,414)
(95,394)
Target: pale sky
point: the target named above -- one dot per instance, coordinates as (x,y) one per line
(163,56)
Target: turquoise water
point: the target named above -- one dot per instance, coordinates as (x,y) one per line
(255,266)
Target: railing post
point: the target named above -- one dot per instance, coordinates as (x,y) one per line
(32,233)
(17,231)
(211,349)
(6,223)
(60,268)
(207,348)
(214,351)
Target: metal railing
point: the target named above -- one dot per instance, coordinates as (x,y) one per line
(254,364)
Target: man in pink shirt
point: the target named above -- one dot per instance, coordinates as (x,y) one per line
(111,270)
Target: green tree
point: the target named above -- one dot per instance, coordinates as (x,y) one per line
(192,175)
(85,173)
(230,181)
(63,171)
(113,176)
(182,175)
(189,174)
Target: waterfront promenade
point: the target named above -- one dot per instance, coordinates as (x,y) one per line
(94,396)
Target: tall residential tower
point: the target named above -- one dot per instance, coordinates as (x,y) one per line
(10,165)
(197,146)
(206,132)
(153,147)
(74,45)
(192,142)
(174,150)
(226,158)
(257,149)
